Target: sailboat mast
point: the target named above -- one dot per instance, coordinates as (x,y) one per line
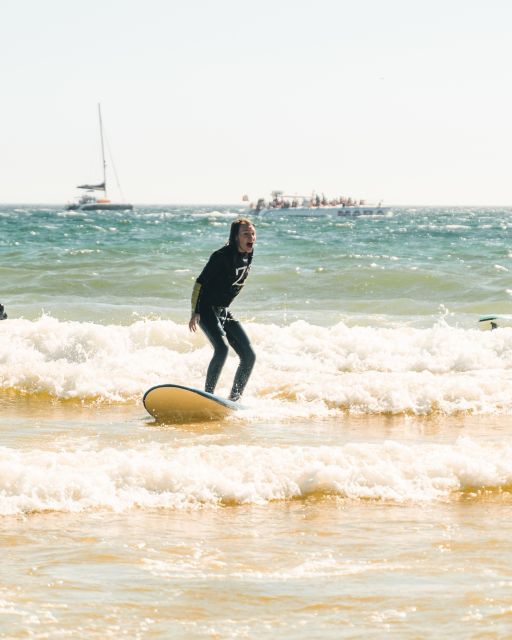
(103,151)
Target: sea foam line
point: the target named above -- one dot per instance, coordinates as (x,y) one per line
(306,369)
(156,476)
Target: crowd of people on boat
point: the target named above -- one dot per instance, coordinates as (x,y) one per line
(290,202)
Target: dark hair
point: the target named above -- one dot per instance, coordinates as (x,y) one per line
(235,228)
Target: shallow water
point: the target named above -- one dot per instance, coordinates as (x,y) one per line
(354,527)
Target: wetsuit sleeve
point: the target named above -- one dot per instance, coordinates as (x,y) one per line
(195,296)
(206,274)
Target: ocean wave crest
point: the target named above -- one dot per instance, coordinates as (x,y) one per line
(302,369)
(155,476)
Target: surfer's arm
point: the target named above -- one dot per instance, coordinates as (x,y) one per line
(195,317)
(212,267)
(196,292)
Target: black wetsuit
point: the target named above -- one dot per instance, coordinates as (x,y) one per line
(219,283)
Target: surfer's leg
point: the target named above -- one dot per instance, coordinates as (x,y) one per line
(209,323)
(240,342)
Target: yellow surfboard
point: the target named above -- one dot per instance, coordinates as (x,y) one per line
(494,321)
(175,403)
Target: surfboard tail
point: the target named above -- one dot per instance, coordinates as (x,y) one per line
(176,403)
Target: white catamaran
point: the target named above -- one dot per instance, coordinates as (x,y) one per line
(88,201)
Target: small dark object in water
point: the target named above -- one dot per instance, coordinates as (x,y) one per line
(3,315)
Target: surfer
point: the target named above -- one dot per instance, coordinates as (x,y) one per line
(3,315)
(219,283)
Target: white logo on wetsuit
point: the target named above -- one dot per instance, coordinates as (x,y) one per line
(239,280)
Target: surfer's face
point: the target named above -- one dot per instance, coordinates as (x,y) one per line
(246,238)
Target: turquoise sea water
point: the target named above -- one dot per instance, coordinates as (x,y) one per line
(366,489)
(410,266)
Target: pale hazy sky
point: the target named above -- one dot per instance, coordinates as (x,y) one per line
(409,101)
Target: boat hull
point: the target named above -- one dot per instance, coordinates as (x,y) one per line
(98,206)
(315,212)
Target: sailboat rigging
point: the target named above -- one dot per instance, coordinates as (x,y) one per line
(88,201)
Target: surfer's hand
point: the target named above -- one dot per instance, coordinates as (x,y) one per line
(194,321)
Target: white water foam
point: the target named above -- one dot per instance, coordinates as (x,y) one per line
(302,370)
(158,476)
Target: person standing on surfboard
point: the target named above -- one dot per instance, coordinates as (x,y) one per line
(219,283)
